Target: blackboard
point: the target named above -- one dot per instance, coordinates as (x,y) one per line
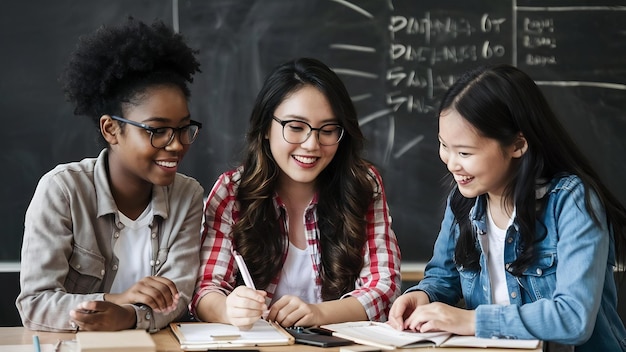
(395,56)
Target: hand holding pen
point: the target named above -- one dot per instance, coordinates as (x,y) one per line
(247,278)
(245,305)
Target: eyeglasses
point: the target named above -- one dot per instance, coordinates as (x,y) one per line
(297,132)
(161,137)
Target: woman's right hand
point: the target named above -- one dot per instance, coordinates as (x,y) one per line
(157,292)
(404,306)
(244,306)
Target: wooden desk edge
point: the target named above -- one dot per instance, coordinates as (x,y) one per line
(412,271)
(166,342)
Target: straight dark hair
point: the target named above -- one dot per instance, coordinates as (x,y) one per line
(500,102)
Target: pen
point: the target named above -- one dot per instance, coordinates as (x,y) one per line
(36,343)
(247,279)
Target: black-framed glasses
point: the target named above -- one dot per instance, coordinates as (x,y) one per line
(297,132)
(161,137)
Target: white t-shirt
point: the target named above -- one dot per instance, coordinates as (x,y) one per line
(493,245)
(297,278)
(133,250)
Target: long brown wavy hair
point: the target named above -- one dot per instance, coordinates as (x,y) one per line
(344,187)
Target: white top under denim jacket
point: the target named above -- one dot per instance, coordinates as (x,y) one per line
(567,296)
(70,230)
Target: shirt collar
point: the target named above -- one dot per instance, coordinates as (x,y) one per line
(279,204)
(477,213)
(105,201)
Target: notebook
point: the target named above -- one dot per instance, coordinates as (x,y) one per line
(198,336)
(126,340)
(383,336)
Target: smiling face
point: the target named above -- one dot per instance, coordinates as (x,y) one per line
(302,163)
(480,165)
(133,161)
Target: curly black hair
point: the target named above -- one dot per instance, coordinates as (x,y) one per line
(114,65)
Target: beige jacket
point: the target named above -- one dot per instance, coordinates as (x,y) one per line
(69,233)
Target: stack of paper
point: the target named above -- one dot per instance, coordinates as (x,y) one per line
(197,336)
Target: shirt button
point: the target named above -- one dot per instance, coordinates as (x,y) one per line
(152,263)
(513,294)
(153,235)
(158,262)
(114,267)
(539,271)
(148,316)
(102,272)
(77,266)
(507,266)
(116,235)
(509,240)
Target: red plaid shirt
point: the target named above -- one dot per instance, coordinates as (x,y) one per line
(379,280)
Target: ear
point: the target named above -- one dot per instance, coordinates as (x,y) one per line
(520,146)
(109,129)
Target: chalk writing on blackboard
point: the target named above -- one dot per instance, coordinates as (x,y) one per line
(396,57)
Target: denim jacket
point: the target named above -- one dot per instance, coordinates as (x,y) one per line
(567,296)
(71,227)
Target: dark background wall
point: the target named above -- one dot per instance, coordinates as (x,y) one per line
(396,58)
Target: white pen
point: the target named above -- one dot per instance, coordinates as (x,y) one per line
(247,279)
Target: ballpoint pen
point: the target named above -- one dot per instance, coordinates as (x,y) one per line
(247,279)
(57,346)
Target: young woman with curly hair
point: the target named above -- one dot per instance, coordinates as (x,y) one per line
(108,241)
(306,212)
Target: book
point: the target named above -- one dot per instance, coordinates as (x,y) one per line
(199,336)
(385,337)
(125,340)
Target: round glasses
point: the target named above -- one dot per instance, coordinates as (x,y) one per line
(297,132)
(161,137)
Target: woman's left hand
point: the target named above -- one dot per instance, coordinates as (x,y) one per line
(439,316)
(293,311)
(102,316)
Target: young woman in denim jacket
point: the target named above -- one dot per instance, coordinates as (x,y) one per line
(112,243)
(529,235)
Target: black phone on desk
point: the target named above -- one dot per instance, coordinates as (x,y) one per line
(317,337)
